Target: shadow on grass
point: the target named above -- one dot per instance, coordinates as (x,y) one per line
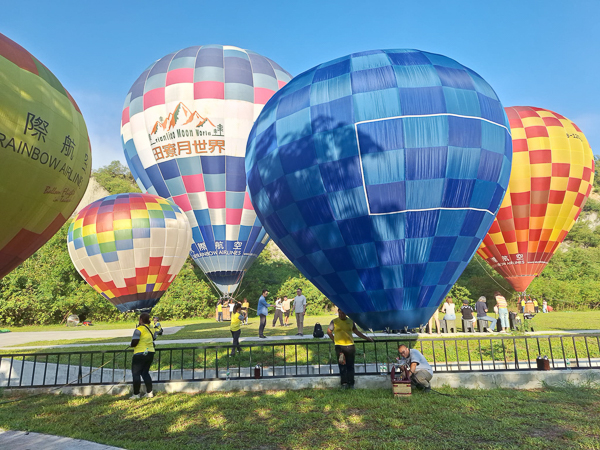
(365,419)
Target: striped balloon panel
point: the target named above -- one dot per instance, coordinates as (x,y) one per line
(130,247)
(552,177)
(378,174)
(185,125)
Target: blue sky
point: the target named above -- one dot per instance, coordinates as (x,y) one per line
(532,52)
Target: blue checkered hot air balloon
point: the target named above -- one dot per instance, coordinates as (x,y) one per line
(378,174)
(185,124)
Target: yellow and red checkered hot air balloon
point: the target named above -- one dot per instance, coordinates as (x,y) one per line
(551,178)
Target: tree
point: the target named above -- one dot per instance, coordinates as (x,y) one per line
(116,178)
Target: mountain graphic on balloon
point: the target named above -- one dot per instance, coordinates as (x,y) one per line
(181,116)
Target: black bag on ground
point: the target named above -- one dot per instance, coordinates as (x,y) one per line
(318,331)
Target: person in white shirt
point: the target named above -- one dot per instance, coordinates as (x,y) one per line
(449,309)
(286,310)
(300,309)
(278,312)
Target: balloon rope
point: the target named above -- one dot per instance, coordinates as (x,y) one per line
(493,279)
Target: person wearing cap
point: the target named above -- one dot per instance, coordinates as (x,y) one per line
(142,343)
(467,311)
(158,331)
(263,311)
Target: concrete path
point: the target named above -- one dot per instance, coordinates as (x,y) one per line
(19,338)
(23,440)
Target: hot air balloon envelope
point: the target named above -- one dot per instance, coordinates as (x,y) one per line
(185,125)
(45,160)
(130,247)
(378,174)
(551,179)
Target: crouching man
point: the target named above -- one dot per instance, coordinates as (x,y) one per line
(420,371)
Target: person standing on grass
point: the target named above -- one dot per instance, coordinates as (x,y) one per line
(419,371)
(286,310)
(300,309)
(340,332)
(544,306)
(502,311)
(231,305)
(220,311)
(523,305)
(278,312)
(536,306)
(158,331)
(245,307)
(263,311)
(142,343)
(436,318)
(236,328)
(481,307)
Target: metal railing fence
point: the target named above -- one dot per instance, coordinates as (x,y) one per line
(299,359)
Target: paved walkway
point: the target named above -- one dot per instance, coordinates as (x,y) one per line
(23,440)
(5,342)
(19,338)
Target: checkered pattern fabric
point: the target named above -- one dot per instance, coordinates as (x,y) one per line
(552,176)
(130,247)
(378,174)
(184,127)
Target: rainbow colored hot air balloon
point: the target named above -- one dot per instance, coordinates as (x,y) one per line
(45,158)
(378,174)
(130,247)
(185,125)
(552,176)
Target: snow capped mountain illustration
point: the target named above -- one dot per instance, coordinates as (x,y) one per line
(181,116)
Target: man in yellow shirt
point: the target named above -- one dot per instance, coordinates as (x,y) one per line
(220,311)
(340,332)
(236,328)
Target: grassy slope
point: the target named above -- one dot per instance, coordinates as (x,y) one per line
(326,419)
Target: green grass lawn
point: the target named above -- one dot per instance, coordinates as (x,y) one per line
(568,320)
(551,418)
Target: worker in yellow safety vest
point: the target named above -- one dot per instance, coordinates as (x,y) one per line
(143,355)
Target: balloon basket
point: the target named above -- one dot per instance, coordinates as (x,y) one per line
(401,386)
